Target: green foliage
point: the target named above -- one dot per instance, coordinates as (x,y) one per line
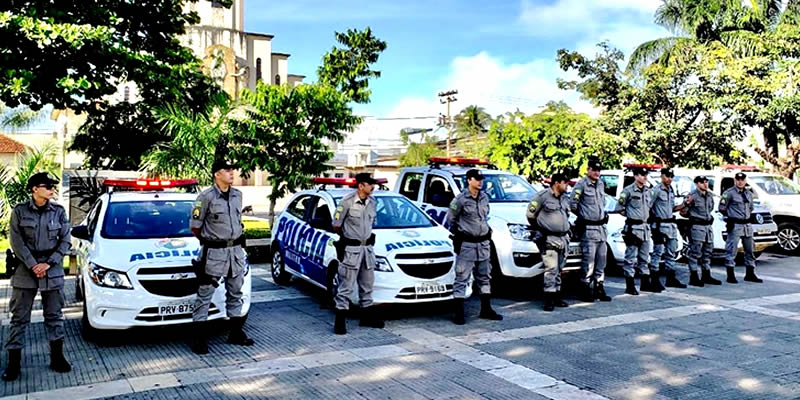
(470,124)
(286,133)
(418,153)
(19,117)
(603,79)
(554,140)
(14,180)
(349,69)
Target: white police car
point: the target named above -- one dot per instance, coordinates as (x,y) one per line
(134,252)
(414,254)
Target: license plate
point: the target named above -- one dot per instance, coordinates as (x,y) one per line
(429,288)
(175,308)
(574,251)
(764,232)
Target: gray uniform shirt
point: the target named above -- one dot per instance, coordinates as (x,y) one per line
(701,206)
(663,207)
(636,201)
(219,218)
(550,213)
(738,204)
(356,217)
(470,215)
(588,202)
(33,232)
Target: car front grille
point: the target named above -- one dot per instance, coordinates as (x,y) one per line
(172,281)
(427,271)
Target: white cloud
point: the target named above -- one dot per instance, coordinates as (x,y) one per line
(580,16)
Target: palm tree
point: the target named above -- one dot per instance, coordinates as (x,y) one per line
(732,23)
(19,117)
(471,123)
(14,181)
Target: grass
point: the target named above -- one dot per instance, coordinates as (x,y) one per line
(256,228)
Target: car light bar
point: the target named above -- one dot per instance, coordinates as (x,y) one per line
(645,166)
(149,183)
(345,181)
(458,161)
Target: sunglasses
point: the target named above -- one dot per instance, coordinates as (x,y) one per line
(48,186)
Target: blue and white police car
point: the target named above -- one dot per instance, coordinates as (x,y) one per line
(134,252)
(415,259)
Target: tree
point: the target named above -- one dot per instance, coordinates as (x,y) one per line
(554,140)
(603,79)
(348,69)
(286,131)
(196,139)
(418,153)
(19,117)
(470,124)
(15,179)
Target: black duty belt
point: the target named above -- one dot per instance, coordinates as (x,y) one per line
(631,221)
(42,253)
(737,221)
(353,242)
(545,232)
(663,220)
(698,221)
(223,244)
(474,239)
(588,222)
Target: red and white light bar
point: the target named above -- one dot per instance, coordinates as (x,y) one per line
(344,181)
(149,183)
(645,166)
(458,161)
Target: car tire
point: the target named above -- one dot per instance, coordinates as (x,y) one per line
(789,238)
(279,274)
(88,332)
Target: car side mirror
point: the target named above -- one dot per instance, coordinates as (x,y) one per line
(80,232)
(322,224)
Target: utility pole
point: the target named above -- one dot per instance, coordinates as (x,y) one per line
(447,98)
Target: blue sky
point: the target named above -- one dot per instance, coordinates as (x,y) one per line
(499,54)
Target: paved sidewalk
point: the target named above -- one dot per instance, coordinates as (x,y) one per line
(726,342)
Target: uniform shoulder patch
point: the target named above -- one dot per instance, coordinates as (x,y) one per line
(454,205)
(578,193)
(532,206)
(622,197)
(196,213)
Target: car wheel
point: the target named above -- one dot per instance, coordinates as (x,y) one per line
(88,332)
(789,237)
(279,274)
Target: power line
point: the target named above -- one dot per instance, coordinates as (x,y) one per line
(397,118)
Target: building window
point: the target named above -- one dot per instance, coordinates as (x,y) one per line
(258,69)
(277,79)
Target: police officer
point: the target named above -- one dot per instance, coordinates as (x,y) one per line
(664,232)
(468,218)
(39,235)
(699,206)
(634,203)
(217,222)
(736,205)
(548,214)
(588,203)
(353,221)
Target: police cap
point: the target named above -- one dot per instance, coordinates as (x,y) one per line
(668,172)
(475,174)
(594,164)
(365,177)
(221,164)
(740,176)
(41,178)
(641,171)
(700,179)
(558,178)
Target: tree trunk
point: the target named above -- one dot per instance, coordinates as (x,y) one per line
(271,216)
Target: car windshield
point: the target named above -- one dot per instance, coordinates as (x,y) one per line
(503,188)
(776,185)
(397,212)
(147,220)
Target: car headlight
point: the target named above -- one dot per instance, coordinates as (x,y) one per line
(105,277)
(520,232)
(382,264)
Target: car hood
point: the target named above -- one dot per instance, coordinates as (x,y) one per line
(126,254)
(412,240)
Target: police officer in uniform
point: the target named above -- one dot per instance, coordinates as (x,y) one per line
(353,221)
(468,218)
(698,206)
(39,235)
(634,203)
(588,203)
(664,231)
(217,222)
(736,205)
(548,214)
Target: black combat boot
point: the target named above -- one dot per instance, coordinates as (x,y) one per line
(630,286)
(458,312)
(548,302)
(486,309)
(672,281)
(200,342)
(750,275)
(646,284)
(12,369)
(558,301)
(57,361)
(586,293)
(694,279)
(600,292)
(370,319)
(237,335)
(731,275)
(340,324)
(707,278)
(655,282)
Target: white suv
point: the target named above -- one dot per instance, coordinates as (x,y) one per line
(134,252)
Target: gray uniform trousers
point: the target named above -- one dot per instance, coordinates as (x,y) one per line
(554,259)
(233,298)
(595,251)
(361,273)
(701,248)
(638,255)
(21,305)
(740,232)
(667,250)
(469,262)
